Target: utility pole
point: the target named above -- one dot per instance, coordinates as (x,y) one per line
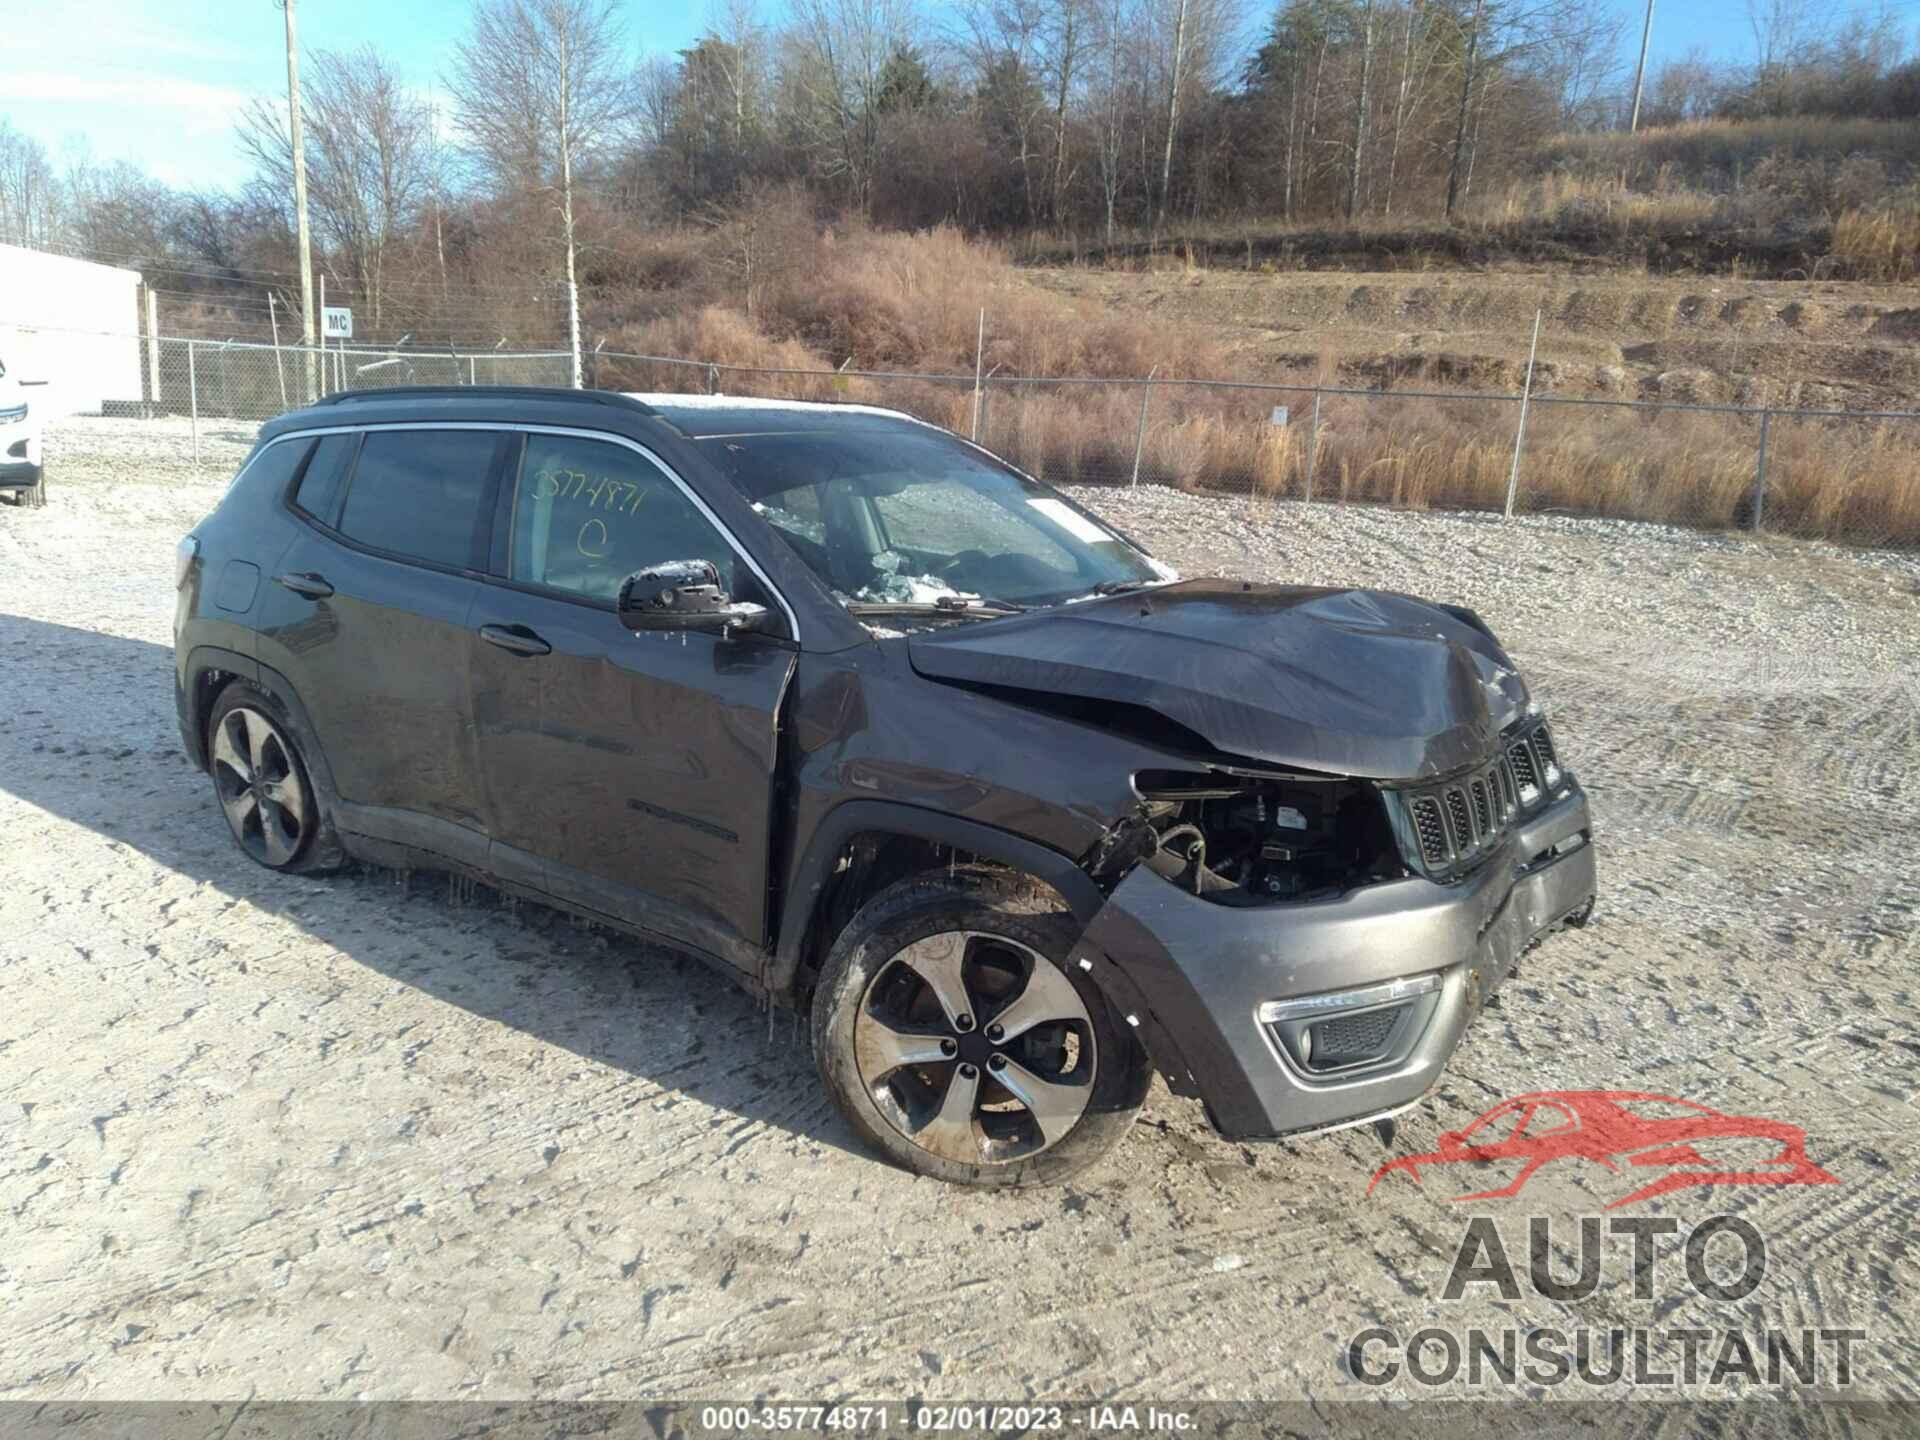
(566,200)
(300,196)
(1640,72)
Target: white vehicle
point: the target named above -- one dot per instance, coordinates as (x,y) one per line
(22,471)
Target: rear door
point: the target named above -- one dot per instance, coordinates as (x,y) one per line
(635,771)
(369,621)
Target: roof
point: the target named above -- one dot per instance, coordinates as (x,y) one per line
(700,417)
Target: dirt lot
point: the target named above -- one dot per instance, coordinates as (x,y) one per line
(1816,344)
(372,1138)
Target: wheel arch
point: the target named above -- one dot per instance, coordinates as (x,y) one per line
(210,670)
(865,845)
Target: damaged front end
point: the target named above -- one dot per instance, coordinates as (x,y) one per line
(1304,951)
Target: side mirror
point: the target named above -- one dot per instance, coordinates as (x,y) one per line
(685,595)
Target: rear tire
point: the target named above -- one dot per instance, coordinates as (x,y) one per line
(264,788)
(951,1031)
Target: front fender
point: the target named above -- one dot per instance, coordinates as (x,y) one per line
(855,817)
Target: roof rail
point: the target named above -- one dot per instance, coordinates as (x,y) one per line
(475,392)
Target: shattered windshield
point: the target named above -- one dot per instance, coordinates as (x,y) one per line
(896,517)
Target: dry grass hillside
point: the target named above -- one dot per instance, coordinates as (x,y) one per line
(779,292)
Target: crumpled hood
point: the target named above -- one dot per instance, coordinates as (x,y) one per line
(1352,682)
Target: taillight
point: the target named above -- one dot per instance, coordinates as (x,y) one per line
(183,554)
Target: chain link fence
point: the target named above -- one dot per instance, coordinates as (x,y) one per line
(1840,475)
(1847,476)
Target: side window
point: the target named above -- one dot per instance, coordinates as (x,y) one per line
(273,467)
(319,492)
(419,493)
(587,514)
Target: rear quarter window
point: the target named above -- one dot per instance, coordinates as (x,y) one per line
(420,493)
(326,474)
(274,466)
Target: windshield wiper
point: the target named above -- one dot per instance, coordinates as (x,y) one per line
(975,607)
(1120,587)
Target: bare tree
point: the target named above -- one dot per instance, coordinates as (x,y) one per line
(1003,44)
(1362,101)
(1414,21)
(1491,37)
(543,89)
(1067,27)
(30,196)
(371,156)
(841,50)
(1177,72)
(1114,70)
(741,59)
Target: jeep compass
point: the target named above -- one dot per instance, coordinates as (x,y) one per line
(892,733)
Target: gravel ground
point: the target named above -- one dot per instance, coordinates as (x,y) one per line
(372,1137)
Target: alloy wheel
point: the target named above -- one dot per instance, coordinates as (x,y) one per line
(261,789)
(976,1048)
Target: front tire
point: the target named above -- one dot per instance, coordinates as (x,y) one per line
(954,1035)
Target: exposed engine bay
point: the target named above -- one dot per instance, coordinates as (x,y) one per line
(1241,838)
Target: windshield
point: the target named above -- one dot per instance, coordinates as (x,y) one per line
(889,516)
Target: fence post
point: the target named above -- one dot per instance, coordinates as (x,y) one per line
(713,378)
(273,316)
(980,411)
(979,356)
(1520,434)
(1760,474)
(193,404)
(153,349)
(1140,436)
(472,373)
(1313,446)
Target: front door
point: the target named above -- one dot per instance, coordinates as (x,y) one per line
(635,771)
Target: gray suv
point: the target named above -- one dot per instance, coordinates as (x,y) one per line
(885,730)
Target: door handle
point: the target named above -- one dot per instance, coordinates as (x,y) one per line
(306,583)
(515,639)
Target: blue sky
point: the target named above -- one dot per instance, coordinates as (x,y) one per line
(158,81)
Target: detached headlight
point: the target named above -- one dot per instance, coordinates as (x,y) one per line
(12,415)
(183,554)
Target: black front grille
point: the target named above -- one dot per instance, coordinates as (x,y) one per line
(1457,814)
(1433,834)
(1455,823)
(1543,747)
(1520,755)
(1509,799)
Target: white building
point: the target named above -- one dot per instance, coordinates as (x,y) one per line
(72,323)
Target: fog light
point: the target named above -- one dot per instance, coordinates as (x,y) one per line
(1370,1025)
